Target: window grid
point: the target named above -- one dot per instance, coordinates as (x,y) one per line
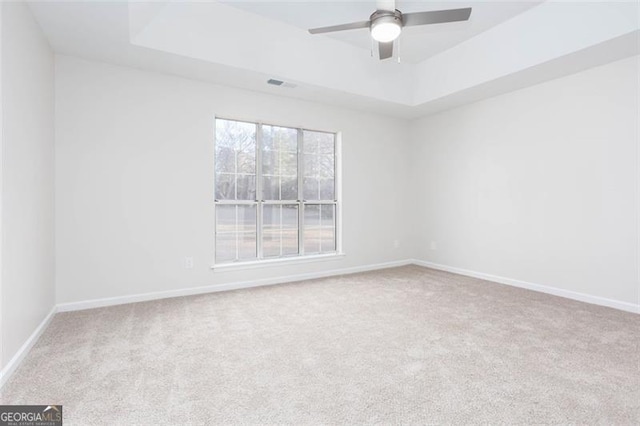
(259,193)
(301,202)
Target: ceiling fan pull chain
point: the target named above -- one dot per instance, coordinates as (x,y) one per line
(398,50)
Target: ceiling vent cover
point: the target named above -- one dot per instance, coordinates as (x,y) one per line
(280,83)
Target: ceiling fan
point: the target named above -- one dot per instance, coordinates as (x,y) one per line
(386,23)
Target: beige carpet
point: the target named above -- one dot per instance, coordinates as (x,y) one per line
(406,345)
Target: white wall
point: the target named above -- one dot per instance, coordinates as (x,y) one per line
(538,185)
(134,180)
(1,180)
(27,177)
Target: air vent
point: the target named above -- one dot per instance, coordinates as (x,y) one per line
(280,83)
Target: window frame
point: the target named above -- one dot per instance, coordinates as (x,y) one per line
(259,202)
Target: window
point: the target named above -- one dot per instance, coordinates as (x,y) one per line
(275,192)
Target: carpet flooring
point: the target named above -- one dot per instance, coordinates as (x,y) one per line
(405,345)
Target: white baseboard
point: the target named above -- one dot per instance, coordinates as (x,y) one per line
(96,303)
(111,301)
(582,297)
(120,300)
(13,364)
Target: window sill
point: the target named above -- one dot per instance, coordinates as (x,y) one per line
(276,262)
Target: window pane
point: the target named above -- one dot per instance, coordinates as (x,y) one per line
(289,142)
(246,187)
(225,233)
(225,218)
(247,246)
(235,232)
(318,142)
(319,166)
(270,163)
(235,134)
(276,138)
(319,228)
(310,142)
(246,218)
(225,247)
(235,161)
(270,230)
(328,228)
(289,229)
(311,189)
(327,189)
(288,164)
(225,130)
(279,230)
(225,159)
(247,161)
(311,166)
(326,165)
(225,186)
(326,143)
(279,163)
(270,188)
(311,229)
(328,240)
(289,188)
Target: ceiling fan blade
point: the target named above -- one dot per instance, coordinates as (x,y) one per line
(343,27)
(435,17)
(389,5)
(385,50)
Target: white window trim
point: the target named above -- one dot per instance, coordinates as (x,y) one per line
(294,259)
(280,261)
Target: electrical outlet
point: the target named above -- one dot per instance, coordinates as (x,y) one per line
(396,244)
(188,263)
(434,245)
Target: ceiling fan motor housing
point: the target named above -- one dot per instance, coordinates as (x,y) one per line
(385,25)
(385,16)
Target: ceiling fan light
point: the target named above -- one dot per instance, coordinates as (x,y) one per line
(385,29)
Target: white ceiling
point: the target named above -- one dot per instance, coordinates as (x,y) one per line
(416,43)
(506,45)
